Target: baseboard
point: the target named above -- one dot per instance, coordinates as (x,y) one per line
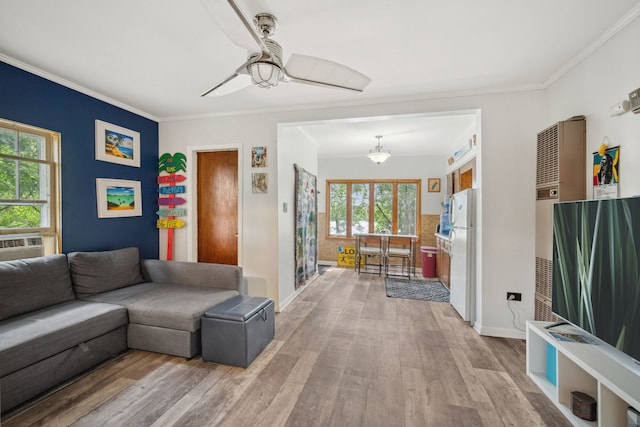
(294,295)
(283,304)
(499,332)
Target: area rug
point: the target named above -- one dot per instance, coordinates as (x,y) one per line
(427,290)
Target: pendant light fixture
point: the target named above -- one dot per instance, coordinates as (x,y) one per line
(378,154)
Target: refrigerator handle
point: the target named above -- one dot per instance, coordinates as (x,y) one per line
(452,235)
(452,211)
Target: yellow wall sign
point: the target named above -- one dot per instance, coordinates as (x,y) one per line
(346,256)
(170,223)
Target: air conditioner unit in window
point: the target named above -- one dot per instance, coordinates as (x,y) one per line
(14,247)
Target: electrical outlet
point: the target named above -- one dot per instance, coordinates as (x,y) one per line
(514,296)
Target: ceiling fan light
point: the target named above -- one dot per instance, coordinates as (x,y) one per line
(265,74)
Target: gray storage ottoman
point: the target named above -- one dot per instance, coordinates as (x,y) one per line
(237,330)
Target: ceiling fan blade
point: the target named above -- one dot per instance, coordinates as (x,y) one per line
(321,72)
(238,80)
(229,17)
(233,83)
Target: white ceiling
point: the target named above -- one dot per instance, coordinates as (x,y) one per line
(155,57)
(403,135)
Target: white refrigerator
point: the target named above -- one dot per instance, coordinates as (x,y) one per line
(462,255)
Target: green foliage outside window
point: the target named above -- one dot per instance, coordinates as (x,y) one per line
(359,208)
(338,209)
(24,182)
(368,206)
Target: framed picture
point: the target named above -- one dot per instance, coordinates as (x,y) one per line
(116,144)
(434,185)
(259,157)
(118,198)
(259,183)
(606,170)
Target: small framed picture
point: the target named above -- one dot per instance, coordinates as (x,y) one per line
(259,183)
(433,185)
(259,157)
(116,144)
(118,198)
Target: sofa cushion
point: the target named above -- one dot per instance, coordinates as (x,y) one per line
(96,272)
(31,337)
(166,305)
(30,284)
(176,307)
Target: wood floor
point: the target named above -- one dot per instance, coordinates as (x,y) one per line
(344,355)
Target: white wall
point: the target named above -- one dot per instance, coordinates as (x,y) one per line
(258,232)
(600,81)
(506,247)
(417,167)
(293,148)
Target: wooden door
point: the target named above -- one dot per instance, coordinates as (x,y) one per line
(218,207)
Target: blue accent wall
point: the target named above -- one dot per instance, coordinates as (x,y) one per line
(35,101)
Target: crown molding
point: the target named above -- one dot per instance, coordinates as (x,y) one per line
(622,23)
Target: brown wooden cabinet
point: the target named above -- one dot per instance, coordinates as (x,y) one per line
(462,178)
(443,267)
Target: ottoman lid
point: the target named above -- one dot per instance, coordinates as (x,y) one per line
(239,308)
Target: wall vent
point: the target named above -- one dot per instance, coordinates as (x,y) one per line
(547,156)
(13,247)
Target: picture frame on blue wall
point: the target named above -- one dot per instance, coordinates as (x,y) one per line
(118,198)
(115,144)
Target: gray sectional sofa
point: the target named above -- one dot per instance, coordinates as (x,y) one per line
(63,314)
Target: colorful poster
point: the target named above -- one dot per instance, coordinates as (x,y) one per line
(606,170)
(306,223)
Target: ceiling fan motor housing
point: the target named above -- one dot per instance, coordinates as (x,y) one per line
(266,24)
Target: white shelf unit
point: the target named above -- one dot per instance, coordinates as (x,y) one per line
(595,369)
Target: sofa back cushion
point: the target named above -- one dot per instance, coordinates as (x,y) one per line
(96,272)
(30,284)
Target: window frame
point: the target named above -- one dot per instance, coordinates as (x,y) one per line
(51,150)
(349,204)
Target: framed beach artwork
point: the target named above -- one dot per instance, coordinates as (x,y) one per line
(118,198)
(116,144)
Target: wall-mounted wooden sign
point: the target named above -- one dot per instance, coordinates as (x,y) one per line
(168,179)
(171,212)
(170,223)
(176,189)
(170,164)
(171,201)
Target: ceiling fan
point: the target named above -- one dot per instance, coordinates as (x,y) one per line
(264,67)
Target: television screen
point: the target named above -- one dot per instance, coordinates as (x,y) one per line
(596,269)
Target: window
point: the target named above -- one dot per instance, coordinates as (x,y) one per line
(377,206)
(28,180)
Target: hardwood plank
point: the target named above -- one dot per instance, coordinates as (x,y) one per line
(350,404)
(284,401)
(214,405)
(508,400)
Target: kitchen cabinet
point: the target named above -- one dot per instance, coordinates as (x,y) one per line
(462,178)
(443,267)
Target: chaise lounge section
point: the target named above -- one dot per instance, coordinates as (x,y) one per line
(63,314)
